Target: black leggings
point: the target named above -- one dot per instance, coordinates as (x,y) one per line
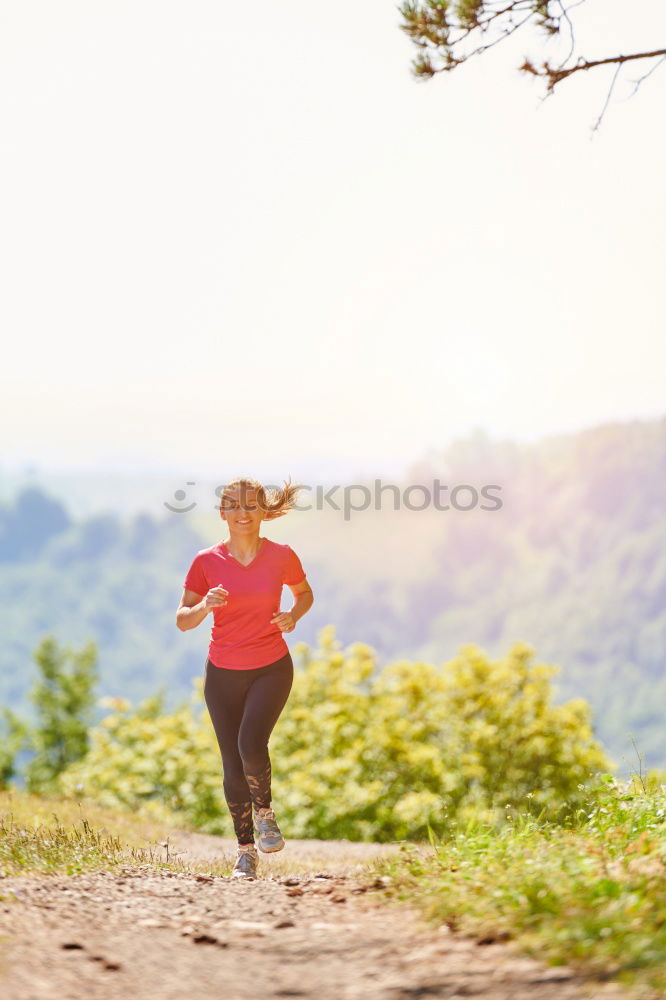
(244,705)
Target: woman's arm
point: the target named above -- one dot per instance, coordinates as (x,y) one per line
(193,608)
(304,599)
(286,620)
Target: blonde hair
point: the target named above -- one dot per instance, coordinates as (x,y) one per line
(274,502)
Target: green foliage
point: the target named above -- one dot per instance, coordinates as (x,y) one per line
(448,33)
(163,762)
(468,11)
(63,698)
(361,753)
(385,756)
(14,736)
(591,895)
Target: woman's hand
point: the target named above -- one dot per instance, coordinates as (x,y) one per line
(215,598)
(284,621)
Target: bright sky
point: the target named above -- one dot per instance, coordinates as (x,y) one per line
(245,236)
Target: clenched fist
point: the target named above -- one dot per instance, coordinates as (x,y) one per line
(215,598)
(284,620)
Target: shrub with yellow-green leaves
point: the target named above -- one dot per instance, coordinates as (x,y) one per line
(363,753)
(155,761)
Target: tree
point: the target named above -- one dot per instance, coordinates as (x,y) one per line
(14,735)
(449,32)
(63,697)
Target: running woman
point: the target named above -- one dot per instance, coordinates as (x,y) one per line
(249,671)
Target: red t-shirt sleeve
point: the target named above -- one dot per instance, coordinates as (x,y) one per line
(293,571)
(196,578)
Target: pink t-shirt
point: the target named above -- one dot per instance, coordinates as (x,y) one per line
(242,636)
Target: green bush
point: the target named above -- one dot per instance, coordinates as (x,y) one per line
(362,753)
(163,763)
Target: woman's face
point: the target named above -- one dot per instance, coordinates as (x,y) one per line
(239,508)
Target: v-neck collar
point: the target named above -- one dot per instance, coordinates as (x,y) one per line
(223,546)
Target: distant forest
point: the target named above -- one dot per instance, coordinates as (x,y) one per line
(574,563)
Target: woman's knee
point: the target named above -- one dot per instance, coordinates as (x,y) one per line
(235,784)
(254,752)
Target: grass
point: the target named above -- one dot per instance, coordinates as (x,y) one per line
(592,896)
(51,836)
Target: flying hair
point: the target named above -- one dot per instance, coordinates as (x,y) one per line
(275,502)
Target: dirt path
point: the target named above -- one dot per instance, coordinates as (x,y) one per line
(312,926)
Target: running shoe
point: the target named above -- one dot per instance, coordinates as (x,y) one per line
(246,863)
(269,836)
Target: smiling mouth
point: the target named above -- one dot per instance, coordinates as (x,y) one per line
(244,522)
